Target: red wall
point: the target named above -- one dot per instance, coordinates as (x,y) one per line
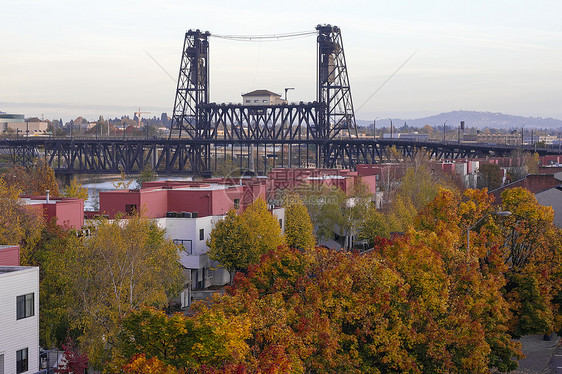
(69,212)
(155,202)
(113,202)
(10,255)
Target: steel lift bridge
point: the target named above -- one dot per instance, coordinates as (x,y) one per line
(297,134)
(322,133)
(203,134)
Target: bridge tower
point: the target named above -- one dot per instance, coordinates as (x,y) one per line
(189,118)
(193,86)
(334,90)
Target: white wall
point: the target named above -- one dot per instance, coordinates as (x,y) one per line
(24,333)
(279,213)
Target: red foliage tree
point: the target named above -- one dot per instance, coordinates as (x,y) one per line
(74,361)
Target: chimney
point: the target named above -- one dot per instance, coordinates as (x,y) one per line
(47,192)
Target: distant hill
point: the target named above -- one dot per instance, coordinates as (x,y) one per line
(479,120)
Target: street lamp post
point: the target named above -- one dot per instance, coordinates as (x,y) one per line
(287,89)
(504,213)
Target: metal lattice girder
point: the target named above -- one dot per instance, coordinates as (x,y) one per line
(192,88)
(111,155)
(268,122)
(334,89)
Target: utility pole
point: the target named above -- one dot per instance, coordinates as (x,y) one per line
(287,89)
(390,128)
(375,128)
(444,130)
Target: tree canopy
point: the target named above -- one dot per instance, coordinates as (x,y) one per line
(125,265)
(299,230)
(238,241)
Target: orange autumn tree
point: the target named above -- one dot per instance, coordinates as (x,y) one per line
(425,302)
(34,180)
(401,308)
(521,252)
(533,251)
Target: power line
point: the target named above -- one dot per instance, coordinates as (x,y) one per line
(386,81)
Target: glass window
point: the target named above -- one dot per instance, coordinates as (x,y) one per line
(236,203)
(131,209)
(21,361)
(25,306)
(202,234)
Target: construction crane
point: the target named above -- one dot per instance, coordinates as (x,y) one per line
(138,114)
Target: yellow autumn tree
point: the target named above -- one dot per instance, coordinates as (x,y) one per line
(125,265)
(19,225)
(299,231)
(238,241)
(75,189)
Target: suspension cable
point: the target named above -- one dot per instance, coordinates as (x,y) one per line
(267,38)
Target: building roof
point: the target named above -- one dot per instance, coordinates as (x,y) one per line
(11,269)
(260,93)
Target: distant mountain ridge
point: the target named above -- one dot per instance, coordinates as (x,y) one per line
(476,119)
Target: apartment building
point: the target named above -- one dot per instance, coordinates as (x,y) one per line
(19,319)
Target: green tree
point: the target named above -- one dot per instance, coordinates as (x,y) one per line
(180,341)
(51,256)
(299,231)
(236,242)
(489,176)
(228,244)
(124,266)
(332,211)
(375,224)
(147,174)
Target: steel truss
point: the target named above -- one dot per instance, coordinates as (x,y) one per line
(330,117)
(170,156)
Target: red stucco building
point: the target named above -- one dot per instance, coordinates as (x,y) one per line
(68,211)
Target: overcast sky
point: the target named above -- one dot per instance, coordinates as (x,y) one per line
(64,58)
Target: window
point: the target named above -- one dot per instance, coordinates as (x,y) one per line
(1,364)
(202,234)
(21,361)
(266,101)
(248,101)
(131,209)
(256,101)
(281,223)
(236,203)
(186,243)
(25,306)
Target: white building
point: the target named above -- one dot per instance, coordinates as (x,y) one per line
(22,127)
(262,97)
(192,233)
(19,319)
